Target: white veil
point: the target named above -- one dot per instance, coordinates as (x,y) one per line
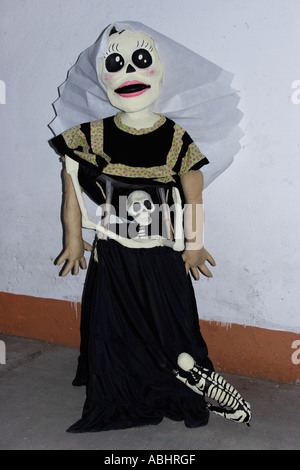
(196,94)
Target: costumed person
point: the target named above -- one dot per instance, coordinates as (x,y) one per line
(129,118)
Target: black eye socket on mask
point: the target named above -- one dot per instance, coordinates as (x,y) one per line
(114,62)
(142,58)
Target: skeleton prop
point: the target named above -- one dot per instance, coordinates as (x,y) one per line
(155,82)
(214,386)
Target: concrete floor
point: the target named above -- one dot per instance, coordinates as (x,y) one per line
(38,403)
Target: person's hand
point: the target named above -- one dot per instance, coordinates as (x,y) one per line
(73,254)
(195,261)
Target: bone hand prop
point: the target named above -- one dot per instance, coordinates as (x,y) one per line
(214,386)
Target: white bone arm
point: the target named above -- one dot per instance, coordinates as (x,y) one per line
(72,169)
(166,213)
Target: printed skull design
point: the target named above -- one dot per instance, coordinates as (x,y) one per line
(140,206)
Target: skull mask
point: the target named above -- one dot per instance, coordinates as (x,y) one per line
(131,71)
(140,206)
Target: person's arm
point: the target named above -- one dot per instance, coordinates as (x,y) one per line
(195,255)
(74,245)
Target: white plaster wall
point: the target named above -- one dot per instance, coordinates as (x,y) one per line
(252,210)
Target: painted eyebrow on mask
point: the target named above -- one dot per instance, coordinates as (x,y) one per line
(115,47)
(145,46)
(112,48)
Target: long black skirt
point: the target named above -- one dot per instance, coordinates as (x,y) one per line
(138,314)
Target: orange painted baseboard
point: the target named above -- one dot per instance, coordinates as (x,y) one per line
(236,349)
(54,321)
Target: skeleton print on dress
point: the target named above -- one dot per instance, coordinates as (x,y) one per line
(140,206)
(214,386)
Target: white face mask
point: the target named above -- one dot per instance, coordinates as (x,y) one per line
(131,71)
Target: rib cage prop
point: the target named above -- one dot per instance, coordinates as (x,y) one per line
(214,386)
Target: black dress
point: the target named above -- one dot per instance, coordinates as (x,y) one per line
(138,310)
